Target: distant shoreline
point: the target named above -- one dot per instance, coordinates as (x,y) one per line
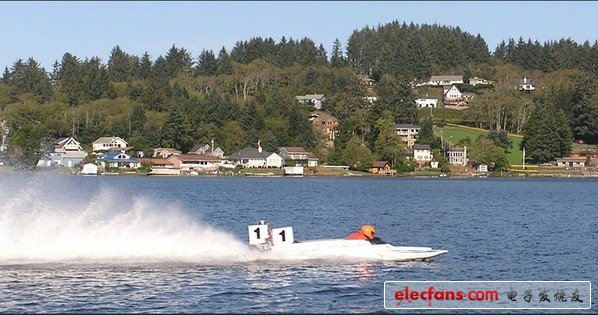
(7,170)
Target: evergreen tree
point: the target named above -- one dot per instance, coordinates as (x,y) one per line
(207,63)
(300,130)
(224,65)
(584,112)
(500,139)
(321,58)
(145,66)
(138,120)
(546,135)
(96,83)
(29,77)
(337,60)
(177,132)
(120,65)
(70,77)
(426,135)
(177,60)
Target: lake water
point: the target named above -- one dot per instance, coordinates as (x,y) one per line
(148,244)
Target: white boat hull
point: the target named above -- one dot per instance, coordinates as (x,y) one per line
(334,249)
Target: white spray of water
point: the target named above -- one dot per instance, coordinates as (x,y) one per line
(106,226)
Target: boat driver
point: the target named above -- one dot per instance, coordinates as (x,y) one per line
(365,233)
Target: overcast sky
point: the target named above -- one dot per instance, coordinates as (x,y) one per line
(46,30)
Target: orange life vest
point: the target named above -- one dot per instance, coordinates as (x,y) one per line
(357,236)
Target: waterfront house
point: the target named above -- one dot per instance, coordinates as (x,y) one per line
(299,156)
(165,152)
(438,80)
(457,155)
(312,160)
(422,153)
(570,162)
(89,169)
(120,160)
(525,84)
(252,157)
(482,168)
(312,99)
(475,81)
(426,101)
(107,143)
(64,152)
(207,149)
(382,168)
(325,124)
(159,166)
(194,162)
(407,133)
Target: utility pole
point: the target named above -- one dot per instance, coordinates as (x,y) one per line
(523,157)
(441,140)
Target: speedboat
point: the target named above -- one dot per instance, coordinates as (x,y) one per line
(279,244)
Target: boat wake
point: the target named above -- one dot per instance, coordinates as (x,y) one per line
(39,227)
(49,221)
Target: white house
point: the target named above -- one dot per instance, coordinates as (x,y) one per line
(252,157)
(66,152)
(107,143)
(89,169)
(274,160)
(452,93)
(426,101)
(422,153)
(483,168)
(457,155)
(299,156)
(475,81)
(445,80)
(526,85)
(312,99)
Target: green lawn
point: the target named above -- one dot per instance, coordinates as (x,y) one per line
(455,133)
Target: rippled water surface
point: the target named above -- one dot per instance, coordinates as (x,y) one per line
(147,244)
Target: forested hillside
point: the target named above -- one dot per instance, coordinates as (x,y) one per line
(247,93)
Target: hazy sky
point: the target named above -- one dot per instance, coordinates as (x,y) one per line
(46,30)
